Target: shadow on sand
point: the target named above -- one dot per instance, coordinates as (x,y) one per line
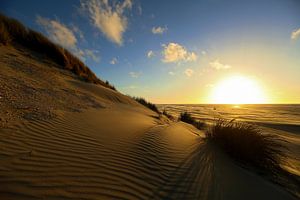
(194,177)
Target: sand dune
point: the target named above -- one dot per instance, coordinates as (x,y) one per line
(61,138)
(119,153)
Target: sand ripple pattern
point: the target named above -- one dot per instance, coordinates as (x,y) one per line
(72,157)
(61,159)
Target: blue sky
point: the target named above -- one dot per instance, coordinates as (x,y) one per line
(176,51)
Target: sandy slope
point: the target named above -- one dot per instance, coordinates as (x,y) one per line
(119,153)
(61,138)
(33,87)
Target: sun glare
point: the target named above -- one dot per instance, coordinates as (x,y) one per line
(237,90)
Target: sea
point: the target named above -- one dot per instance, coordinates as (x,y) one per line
(284,114)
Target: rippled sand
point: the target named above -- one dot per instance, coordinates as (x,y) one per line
(121,152)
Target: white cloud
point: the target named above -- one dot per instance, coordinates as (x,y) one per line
(203,53)
(77,31)
(171,73)
(150,54)
(79,53)
(189,72)
(131,87)
(174,52)
(159,30)
(140,10)
(108,18)
(92,55)
(295,34)
(58,32)
(113,61)
(135,74)
(218,66)
(66,37)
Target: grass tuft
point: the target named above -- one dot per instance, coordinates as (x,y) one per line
(187,117)
(147,104)
(13,32)
(247,144)
(168,115)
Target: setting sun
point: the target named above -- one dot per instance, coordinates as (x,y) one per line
(237,90)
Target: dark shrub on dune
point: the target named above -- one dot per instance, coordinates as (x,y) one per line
(4,35)
(13,32)
(187,117)
(246,143)
(167,115)
(146,103)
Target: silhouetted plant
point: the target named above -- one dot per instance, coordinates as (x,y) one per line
(187,117)
(4,35)
(146,103)
(12,32)
(247,144)
(167,114)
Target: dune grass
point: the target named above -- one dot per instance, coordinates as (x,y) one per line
(247,144)
(13,32)
(187,117)
(167,114)
(146,104)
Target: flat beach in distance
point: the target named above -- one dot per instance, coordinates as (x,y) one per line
(66,133)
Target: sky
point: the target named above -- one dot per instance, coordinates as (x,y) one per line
(178,51)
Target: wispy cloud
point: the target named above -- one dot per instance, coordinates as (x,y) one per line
(107,17)
(113,61)
(174,52)
(77,31)
(189,72)
(131,87)
(140,10)
(295,34)
(92,55)
(218,66)
(171,73)
(66,37)
(135,74)
(150,54)
(58,32)
(159,30)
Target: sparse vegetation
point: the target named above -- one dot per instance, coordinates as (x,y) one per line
(247,144)
(4,35)
(146,103)
(13,32)
(187,117)
(167,114)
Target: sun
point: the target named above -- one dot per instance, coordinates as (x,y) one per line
(237,90)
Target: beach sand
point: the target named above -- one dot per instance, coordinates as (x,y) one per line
(120,153)
(74,140)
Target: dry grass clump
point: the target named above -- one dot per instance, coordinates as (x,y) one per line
(146,103)
(187,117)
(13,32)
(167,114)
(4,35)
(247,144)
